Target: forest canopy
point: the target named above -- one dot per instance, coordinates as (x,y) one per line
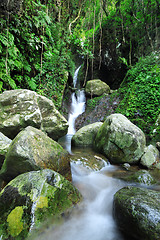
(40,41)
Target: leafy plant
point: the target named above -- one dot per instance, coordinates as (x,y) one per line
(141,93)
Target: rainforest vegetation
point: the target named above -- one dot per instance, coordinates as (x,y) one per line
(43,41)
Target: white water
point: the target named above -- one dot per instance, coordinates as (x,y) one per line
(94,219)
(77,105)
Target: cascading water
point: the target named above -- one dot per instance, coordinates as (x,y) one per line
(77,108)
(93,220)
(77,105)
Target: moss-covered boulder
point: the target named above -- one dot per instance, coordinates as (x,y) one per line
(31,198)
(120,140)
(96,88)
(85,136)
(21,108)
(150,157)
(4,145)
(137,212)
(32,150)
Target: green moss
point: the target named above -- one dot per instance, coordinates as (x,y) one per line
(14,219)
(42,202)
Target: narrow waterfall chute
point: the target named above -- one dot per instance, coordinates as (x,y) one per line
(77,104)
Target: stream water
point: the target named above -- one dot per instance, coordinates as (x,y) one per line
(93,219)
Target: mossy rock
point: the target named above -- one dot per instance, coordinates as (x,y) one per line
(32,150)
(120,140)
(21,108)
(142,177)
(85,136)
(96,88)
(31,198)
(137,213)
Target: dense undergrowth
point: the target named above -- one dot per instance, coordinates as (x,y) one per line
(140,93)
(34,50)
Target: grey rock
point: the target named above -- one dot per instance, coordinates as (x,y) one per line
(137,212)
(150,157)
(32,150)
(85,136)
(21,108)
(4,145)
(120,140)
(96,87)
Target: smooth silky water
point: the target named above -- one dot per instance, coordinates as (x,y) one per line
(93,219)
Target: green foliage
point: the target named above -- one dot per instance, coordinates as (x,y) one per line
(91,103)
(141,93)
(35,51)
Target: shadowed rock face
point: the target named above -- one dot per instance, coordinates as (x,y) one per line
(137,212)
(120,140)
(22,108)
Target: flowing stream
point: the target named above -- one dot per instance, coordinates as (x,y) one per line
(93,219)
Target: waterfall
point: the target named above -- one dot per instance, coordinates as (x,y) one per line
(77,105)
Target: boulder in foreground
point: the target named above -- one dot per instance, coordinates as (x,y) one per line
(31,198)
(137,212)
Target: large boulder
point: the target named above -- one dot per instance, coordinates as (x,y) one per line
(4,145)
(85,136)
(31,198)
(96,88)
(21,108)
(150,157)
(33,150)
(120,140)
(137,212)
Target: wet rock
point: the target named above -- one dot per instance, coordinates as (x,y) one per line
(21,108)
(86,135)
(89,159)
(137,212)
(142,176)
(4,145)
(31,198)
(104,107)
(96,88)
(33,150)
(120,140)
(126,166)
(150,157)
